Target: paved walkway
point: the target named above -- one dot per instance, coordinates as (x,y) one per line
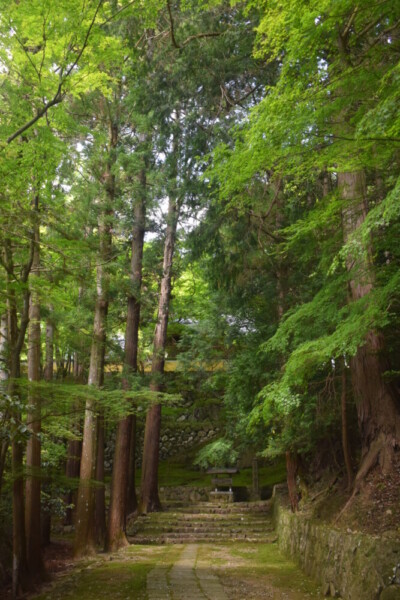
(184,581)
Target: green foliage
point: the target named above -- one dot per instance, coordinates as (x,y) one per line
(217,454)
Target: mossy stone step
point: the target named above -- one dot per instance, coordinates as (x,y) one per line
(204,523)
(168,539)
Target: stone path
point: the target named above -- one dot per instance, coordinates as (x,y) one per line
(184,581)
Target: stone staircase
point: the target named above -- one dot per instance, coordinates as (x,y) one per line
(205,522)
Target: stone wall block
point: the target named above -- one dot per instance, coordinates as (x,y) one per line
(351,565)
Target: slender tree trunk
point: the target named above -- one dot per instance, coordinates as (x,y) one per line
(149,486)
(85,532)
(85,512)
(49,362)
(345,432)
(4,441)
(33,462)
(72,470)
(377,402)
(100,499)
(21,576)
(123,493)
(74,448)
(132,502)
(21,580)
(48,373)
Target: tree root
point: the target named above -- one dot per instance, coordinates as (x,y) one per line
(325,490)
(369,461)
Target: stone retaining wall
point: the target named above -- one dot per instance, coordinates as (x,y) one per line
(185,494)
(190,428)
(350,565)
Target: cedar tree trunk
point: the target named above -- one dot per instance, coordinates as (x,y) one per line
(149,500)
(377,402)
(85,512)
(84,525)
(123,493)
(345,432)
(48,376)
(33,483)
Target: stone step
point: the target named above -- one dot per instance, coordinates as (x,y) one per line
(169,539)
(168,518)
(200,530)
(227,508)
(204,522)
(188,517)
(201,524)
(211,535)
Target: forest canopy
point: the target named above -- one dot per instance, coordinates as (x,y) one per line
(213,183)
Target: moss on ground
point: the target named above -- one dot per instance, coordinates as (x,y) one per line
(284,573)
(121,575)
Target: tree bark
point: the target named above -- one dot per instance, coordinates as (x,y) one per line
(345,432)
(21,580)
(21,577)
(85,531)
(72,470)
(132,503)
(49,362)
(4,440)
(48,374)
(149,500)
(85,512)
(33,450)
(85,534)
(100,500)
(123,493)
(377,402)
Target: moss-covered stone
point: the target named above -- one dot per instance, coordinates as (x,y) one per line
(354,565)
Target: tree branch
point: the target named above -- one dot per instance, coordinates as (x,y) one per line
(191,37)
(172,30)
(59,95)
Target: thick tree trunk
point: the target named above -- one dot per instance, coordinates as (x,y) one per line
(116,537)
(123,493)
(377,402)
(33,462)
(84,520)
(149,500)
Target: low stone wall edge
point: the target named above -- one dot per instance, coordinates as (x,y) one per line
(350,565)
